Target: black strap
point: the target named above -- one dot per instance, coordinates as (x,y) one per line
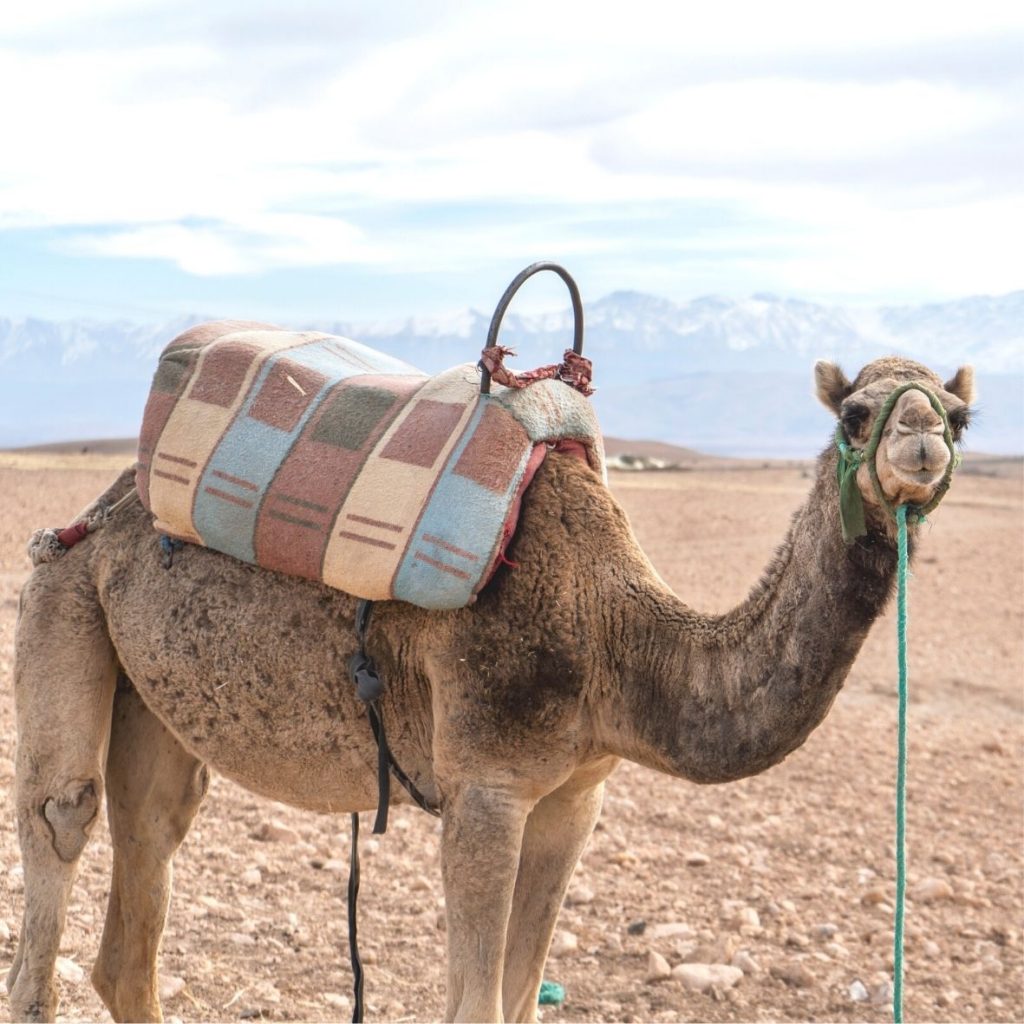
(353,939)
(369,688)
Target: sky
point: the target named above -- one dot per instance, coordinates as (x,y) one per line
(363,161)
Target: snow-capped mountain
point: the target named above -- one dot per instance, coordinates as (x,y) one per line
(731,376)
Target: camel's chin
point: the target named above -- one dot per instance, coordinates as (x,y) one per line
(911,491)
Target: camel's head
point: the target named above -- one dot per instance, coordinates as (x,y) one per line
(912,455)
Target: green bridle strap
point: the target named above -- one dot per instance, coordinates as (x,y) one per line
(851,502)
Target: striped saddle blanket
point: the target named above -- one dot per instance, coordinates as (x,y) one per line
(317,456)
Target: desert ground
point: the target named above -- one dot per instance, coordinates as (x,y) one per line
(789,875)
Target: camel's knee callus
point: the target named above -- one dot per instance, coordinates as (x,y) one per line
(70,816)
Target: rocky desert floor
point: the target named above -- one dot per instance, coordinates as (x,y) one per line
(788,876)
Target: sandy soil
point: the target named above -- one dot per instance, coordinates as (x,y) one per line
(793,868)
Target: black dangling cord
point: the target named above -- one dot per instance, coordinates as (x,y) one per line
(353,939)
(369,689)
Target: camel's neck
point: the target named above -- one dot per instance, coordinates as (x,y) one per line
(715,698)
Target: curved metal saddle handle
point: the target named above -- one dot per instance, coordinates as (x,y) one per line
(506,299)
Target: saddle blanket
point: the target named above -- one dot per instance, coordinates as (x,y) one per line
(318,456)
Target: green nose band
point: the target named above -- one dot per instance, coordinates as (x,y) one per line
(851,502)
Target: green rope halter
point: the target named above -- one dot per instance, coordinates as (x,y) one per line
(851,502)
(851,507)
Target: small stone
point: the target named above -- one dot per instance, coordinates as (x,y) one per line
(746,963)
(797,940)
(335,865)
(669,930)
(337,1000)
(747,917)
(562,943)
(824,932)
(947,997)
(5,931)
(579,895)
(701,977)
(170,987)
(696,859)
(241,939)
(251,876)
(836,950)
(275,832)
(881,994)
(636,927)
(69,970)
(718,951)
(657,968)
(715,822)
(874,895)
(931,890)
(858,993)
(931,949)
(794,974)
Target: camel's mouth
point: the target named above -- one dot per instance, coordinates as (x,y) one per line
(918,458)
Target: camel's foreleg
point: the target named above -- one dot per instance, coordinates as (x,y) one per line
(64,676)
(556,832)
(483,829)
(154,789)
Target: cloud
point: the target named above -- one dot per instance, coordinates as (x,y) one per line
(233,140)
(251,245)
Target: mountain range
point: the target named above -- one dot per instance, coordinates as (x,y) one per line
(721,375)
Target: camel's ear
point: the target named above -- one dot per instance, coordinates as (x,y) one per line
(831,385)
(961,384)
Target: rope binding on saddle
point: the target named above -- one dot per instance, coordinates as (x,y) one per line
(851,502)
(49,544)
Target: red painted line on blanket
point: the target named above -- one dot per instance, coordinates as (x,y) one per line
(217,493)
(301,502)
(177,458)
(431,539)
(295,521)
(367,521)
(233,480)
(372,541)
(171,476)
(450,569)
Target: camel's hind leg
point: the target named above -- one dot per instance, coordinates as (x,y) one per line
(64,677)
(154,789)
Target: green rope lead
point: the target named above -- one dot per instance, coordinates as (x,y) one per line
(901,762)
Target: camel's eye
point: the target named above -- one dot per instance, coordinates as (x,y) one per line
(959,421)
(854,417)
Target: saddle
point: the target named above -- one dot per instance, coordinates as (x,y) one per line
(317,456)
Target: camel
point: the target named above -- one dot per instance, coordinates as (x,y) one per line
(132,682)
